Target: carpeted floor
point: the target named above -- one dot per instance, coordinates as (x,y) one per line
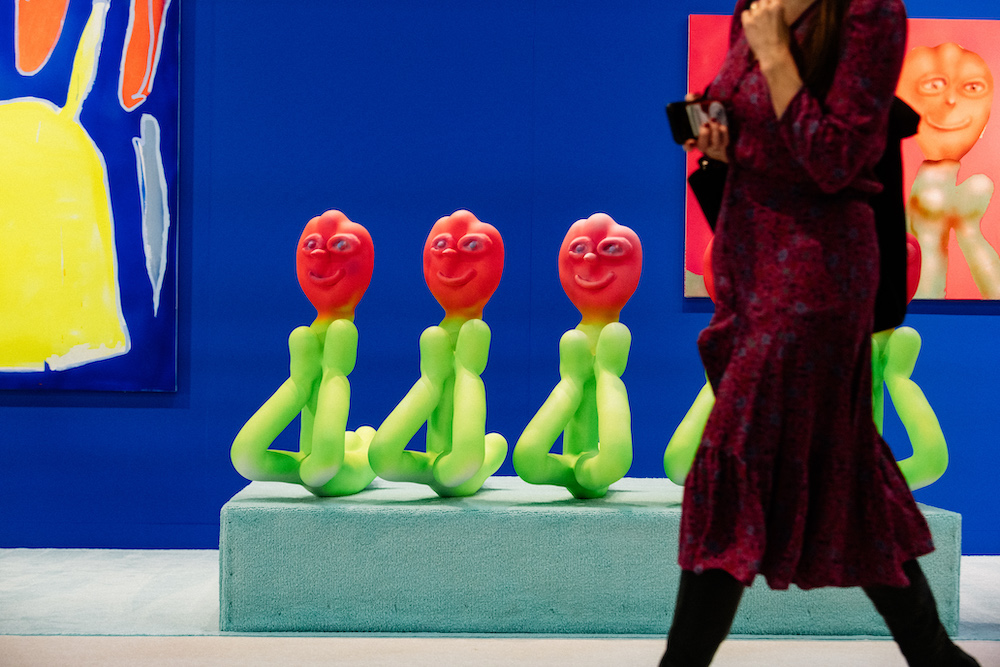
(109,607)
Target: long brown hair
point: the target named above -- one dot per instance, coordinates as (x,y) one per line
(818,57)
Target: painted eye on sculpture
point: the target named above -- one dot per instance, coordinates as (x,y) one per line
(474,243)
(580,246)
(975,88)
(312,242)
(442,242)
(344,243)
(614,246)
(932,85)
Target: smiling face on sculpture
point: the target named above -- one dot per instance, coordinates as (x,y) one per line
(599,266)
(463,263)
(334,263)
(952,90)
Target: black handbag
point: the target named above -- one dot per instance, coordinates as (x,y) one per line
(890,220)
(707,183)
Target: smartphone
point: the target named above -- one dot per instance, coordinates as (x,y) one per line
(686,118)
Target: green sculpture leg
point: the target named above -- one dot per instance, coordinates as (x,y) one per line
(613,457)
(589,407)
(686,439)
(496,453)
(532,457)
(471,455)
(250,454)
(930,451)
(388,455)
(333,399)
(880,341)
(465,452)
(250,451)
(355,474)
(894,355)
(581,441)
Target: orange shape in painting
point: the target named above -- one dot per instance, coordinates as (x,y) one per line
(38,24)
(952,90)
(463,263)
(334,264)
(141,52)
(599,266)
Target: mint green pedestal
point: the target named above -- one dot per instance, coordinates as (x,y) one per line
(514,558)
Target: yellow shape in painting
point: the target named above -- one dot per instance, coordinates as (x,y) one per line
(59,301)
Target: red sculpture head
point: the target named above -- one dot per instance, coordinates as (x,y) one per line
(334,263)
(913,262)
(599,266)
(952,90)
(709,277)
(463,262)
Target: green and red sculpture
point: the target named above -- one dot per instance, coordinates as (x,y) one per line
(599,266)
(334,262)
(463,263)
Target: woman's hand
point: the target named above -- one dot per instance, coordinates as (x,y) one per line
(713,140)
(767,31)
(766,28)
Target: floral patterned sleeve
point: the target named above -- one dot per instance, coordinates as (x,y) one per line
(736,27)
(735,33)
(835,140)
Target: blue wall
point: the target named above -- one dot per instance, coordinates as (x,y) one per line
(532,114)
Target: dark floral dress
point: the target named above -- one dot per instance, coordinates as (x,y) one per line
(792,480)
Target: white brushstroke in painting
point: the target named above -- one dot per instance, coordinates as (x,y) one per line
(155,210)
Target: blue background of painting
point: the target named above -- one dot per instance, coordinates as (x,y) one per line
(530,113)
(151,364)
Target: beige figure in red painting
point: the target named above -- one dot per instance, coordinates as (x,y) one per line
(952,90)
(334,262)
(463,263)
(600,263)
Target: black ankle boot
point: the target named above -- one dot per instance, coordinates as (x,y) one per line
(912,617)
(706,606)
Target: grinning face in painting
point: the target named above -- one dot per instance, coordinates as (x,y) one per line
(334,263)
(952,90)
(463,263)
(599,266)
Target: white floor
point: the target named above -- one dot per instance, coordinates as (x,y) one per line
(114,607)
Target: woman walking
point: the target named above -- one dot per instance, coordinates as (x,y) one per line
(792,480)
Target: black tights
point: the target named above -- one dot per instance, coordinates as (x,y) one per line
(707,604)
(912,617)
